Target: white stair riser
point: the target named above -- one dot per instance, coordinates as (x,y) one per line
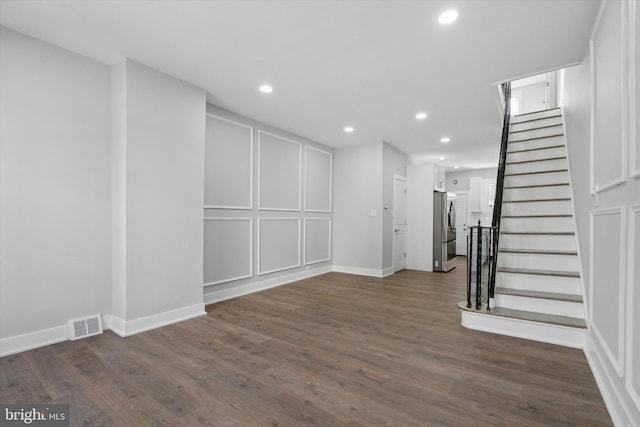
(537,154)
(533,124)
(552,192)
(534,282)
(545,165)
(537,208)
(538,261)
(536,179)
(533,116)
(535,133)
(537,224)
(535,143)
(531,241)
(539,305)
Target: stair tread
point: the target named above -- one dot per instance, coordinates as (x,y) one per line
(558,199)
(553,319)
(536,172)
(541,233)
(538,251)
(532,129)
(538,294)
(516,116)
(536,160)
(538,272)
(534,120)
(539,216)
(536,149)
(537,137)
(559,184)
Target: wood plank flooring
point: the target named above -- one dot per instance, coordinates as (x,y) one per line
(333,350)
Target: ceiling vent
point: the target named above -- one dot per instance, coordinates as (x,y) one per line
(81,328)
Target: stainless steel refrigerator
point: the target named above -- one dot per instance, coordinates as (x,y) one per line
(444,231)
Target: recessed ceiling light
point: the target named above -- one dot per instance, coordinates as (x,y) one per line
(456,167)
(348,129)
(445,139)
(441,158)
(448,17)
(421,116)
(266,89)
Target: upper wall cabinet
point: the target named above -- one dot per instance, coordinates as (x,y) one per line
(280,175)
(228,164)
(317,180)
(438,178)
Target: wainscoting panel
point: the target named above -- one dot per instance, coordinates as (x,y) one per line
(634,101)
(317,180)
(228,249)
(280,163)
(279,244)
(607,270)
(633,302)
(608,145)
(228,164)
(317,240)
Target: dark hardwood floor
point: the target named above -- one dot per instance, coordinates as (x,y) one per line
(333,350)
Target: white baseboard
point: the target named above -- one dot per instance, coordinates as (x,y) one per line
(31,340)
(387,271)
(622,410)
(552,334)
(360,271)
(125,328)
(225,294)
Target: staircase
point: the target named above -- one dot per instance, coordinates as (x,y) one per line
(538,289)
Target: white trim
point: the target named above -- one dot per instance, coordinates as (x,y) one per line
(634,142)
(612,393)
(250,207)
(250,274)
(388,271)
(592,98)
(583,290)
(31,340)
(361,271)
(536,331)
(225,294)
(125,328)
(393,268)
(262,208)
(306,181)
(260,272)
(616,360)
(305,239)
(634,212)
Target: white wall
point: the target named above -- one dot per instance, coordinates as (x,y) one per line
(420,217)
(357,237)
(394,162)
(606,189)
(162,199)
(55,197)
(463,178)
(304,235)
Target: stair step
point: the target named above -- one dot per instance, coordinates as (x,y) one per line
(539,294)
(535,115)
(538,251)
(572,322)
(539,272)
(536,160)
(537,179)
(565,242)
(536,154)
(536,149)
(534,138)
(539,216)
(559,184)
(538,166)
(534,121)
(536,143)
(560,199)
(555,125)
(551,224)
(535,172)
(538,261)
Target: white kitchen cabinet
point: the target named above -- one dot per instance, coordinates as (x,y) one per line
(438,178)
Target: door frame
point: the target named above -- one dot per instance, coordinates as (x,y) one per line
(466,214)
(397,177)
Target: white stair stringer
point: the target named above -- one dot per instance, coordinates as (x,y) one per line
(539,291)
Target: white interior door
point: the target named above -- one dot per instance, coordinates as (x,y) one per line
(399,223)
(461,224)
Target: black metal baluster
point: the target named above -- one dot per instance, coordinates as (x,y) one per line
(469,262)
(479,268)
(489,264)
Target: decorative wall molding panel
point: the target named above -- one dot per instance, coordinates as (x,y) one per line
(279,244)
(279,172)
(228,164)
(633,302)
(318,172)
(317,240)
(228,249)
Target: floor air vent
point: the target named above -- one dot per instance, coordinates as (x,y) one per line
(81,328)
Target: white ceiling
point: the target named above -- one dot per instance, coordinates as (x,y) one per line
(369,64)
